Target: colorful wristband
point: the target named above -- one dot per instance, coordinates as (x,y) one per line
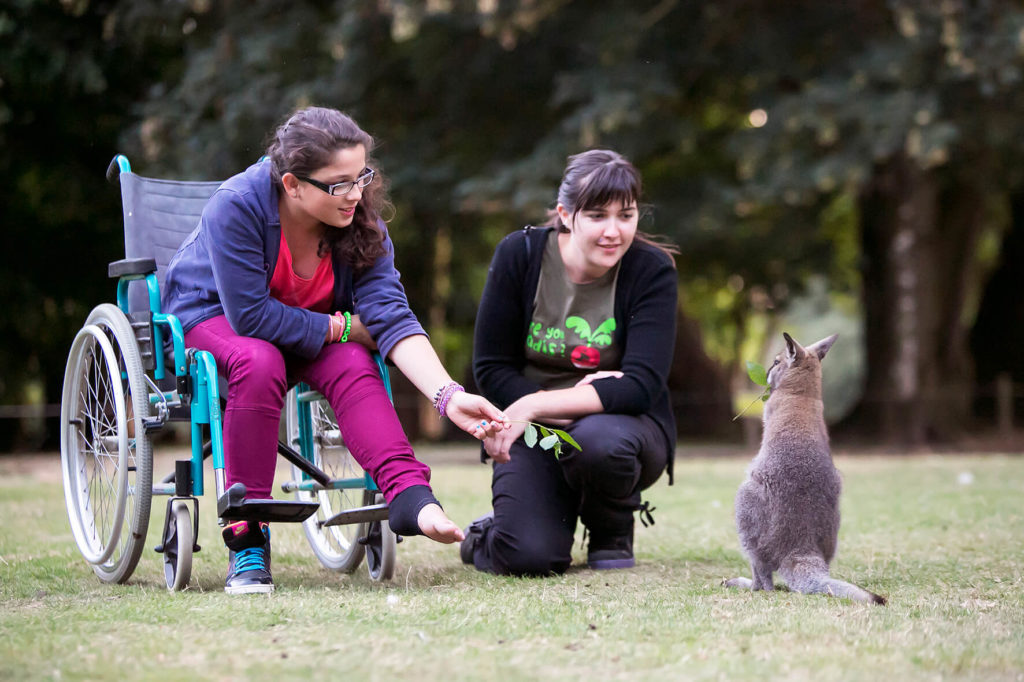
(348,326)
(444,394)
(335,326)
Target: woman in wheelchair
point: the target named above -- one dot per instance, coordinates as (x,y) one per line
(290,277)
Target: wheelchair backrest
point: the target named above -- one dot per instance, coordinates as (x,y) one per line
(158,215)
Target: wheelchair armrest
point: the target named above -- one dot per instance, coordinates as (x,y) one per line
(131,266)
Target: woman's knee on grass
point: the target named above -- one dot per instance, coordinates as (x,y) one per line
(529,554)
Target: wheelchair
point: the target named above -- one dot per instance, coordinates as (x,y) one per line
(119,392)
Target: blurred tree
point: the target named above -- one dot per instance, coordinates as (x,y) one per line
(918,122)
(421,81)
(669,84)
(769,122)
(68,82)
(997,338)
(873,143)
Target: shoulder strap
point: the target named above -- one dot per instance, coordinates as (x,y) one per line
(526,231)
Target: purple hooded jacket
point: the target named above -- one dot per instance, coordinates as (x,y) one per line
(224,268)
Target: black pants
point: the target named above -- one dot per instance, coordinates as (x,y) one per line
(537,498)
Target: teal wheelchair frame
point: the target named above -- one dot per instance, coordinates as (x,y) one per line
(118,392)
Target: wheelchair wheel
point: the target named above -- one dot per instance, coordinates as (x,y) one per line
(106,454)
(381,543)
(335,546)
(178,561)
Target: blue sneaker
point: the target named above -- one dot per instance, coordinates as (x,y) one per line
(248,558)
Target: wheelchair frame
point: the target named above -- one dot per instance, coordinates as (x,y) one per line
(113,401)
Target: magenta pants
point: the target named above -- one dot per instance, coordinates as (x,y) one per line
(259,375)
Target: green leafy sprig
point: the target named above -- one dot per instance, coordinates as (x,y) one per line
(547,438)
(759,376)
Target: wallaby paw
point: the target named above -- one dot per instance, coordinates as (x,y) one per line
(742,583)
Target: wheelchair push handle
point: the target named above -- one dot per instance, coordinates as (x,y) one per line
(119,164)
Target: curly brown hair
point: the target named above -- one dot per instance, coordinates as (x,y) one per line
(305,143)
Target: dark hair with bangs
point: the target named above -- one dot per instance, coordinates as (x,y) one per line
(307,142)
(594,179)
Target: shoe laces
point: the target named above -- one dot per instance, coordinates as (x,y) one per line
(251,559)
(646,515)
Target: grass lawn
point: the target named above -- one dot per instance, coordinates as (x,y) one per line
(941,537)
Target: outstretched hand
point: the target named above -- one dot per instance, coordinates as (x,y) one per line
(499,445)
(475,415)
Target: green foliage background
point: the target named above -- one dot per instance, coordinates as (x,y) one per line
(758,126)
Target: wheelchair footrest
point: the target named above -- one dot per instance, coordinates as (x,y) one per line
(373,512)
(232,506)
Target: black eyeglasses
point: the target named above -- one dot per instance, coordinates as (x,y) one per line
(340,189)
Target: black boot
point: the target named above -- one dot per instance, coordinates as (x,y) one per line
(474,534)
(609,549)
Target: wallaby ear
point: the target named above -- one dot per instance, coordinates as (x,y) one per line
(794,351)
(821,347)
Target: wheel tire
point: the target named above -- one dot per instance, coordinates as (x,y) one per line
(178,572)
(336,547)
(381,545)
(106,454)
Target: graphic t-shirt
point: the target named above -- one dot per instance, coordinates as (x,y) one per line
(315,293)
(571,333)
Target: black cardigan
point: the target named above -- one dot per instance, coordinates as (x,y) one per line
(646,295)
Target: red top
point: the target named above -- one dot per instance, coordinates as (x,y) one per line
(315,293)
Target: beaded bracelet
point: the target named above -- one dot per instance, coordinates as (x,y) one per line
(348,326)
(437,394)
(442,409)
(444,394)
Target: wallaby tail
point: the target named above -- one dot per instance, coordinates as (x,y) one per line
(809,575)
(841,588)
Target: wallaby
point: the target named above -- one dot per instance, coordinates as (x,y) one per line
(787,509)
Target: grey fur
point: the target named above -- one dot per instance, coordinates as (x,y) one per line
(787,509)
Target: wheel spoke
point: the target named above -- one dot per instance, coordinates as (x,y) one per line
(338,464)
(334,546)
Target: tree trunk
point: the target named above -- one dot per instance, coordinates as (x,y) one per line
(701,399)
(430,426)
(997,338)
(918,246)
(424,259)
